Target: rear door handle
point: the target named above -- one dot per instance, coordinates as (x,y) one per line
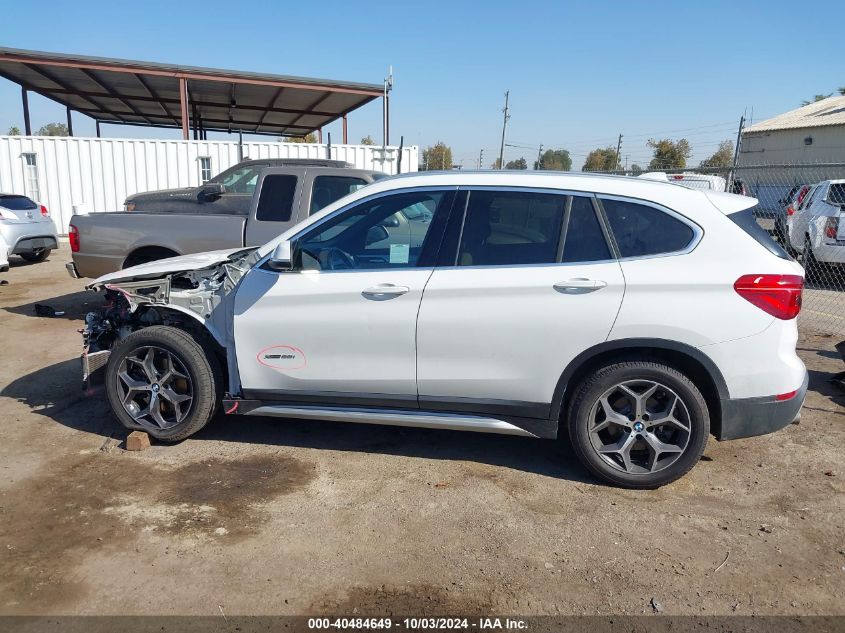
(580,283)
(384,291)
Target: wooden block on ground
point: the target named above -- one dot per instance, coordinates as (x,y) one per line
(137,441)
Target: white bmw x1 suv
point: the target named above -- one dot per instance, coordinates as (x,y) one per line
(635,318)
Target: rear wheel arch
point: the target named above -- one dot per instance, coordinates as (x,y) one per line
(144,254)
(691,361)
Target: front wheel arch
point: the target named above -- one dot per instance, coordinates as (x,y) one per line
(685,358)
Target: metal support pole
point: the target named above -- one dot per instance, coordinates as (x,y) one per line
(504,127)
(731,174)
(183,106)
(539,158)
(329,146)
(320,136)
(240,145)
(98,128)
(388,86)
(69,123)
(345,136)
(399,161)
(27,128)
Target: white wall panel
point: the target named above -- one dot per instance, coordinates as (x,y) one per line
(98,174)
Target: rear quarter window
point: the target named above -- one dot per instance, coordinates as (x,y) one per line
(641,230)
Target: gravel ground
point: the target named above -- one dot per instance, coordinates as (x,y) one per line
(262,516)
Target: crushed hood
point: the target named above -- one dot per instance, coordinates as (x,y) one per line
(169,266)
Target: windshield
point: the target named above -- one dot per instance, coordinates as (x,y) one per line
(16,203)
(239,179)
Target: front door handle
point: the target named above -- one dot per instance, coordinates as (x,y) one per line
(384,291)
(580,283)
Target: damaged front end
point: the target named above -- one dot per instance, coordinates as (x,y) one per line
(163,293)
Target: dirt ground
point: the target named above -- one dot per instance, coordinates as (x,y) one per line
(263,516)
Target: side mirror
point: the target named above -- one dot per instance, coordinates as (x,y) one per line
(210,191)
(281,257)
(391,222)
(375,234)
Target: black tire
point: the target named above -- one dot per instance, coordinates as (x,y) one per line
(591,389)
(812,267)
(37,256)
(203,370)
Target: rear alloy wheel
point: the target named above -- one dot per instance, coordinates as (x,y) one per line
(37,256)
(638,424)
(160,380)
(811,265)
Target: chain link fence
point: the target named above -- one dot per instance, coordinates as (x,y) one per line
(800,206)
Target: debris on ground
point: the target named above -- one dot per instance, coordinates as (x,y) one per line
(656,606)
(766,528)
(137,441)
(4,282)
(47,311)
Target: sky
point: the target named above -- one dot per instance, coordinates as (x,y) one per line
(579,73)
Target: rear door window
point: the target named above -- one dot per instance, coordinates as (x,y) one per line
(836,194)
(511,228)
(275,203)
(641,230)
(327,189)
(585,241)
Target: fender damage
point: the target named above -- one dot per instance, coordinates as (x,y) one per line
(192,292)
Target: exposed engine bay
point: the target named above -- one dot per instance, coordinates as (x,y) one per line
(198,301)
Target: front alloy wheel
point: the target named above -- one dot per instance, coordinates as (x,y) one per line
(161,380)
(155,388)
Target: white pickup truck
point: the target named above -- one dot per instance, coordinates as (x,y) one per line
(273,200)
(816,230)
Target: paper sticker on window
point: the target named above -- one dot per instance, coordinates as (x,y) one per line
(399,253)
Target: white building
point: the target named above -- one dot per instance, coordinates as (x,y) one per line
(70,174)
(814,133)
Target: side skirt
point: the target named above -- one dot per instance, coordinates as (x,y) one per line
(395,417)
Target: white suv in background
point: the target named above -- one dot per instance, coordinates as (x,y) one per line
(634,317)
(816,230)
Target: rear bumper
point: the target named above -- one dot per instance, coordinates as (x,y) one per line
(94,266)
(70,267)
(747,417)
(27,237)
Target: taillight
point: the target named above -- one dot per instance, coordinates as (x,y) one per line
(789,395)
(831,228)
(44,212)
(803,193)
(778,295)
(790,210)
(73,238)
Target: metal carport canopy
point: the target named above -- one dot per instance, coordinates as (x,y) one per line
(163,95)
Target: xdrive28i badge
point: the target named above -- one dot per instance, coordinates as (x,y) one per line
(282,357)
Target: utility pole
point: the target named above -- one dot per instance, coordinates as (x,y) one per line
(481,159)
(504,127)
(540,157)
(730,177)
(388,86)
(618,149)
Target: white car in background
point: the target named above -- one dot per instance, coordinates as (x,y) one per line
(599,309)
(4,255)
(26,227)
(816,230)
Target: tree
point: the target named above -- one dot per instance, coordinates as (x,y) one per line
(816,98)
(308,138)
(438,156)
(722,157)
(14,131)
(555,159)
(841,90)
(496,164)
(367,140)
(669,154)
(519,163)
(53,129)
(602,159)
(636,169)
